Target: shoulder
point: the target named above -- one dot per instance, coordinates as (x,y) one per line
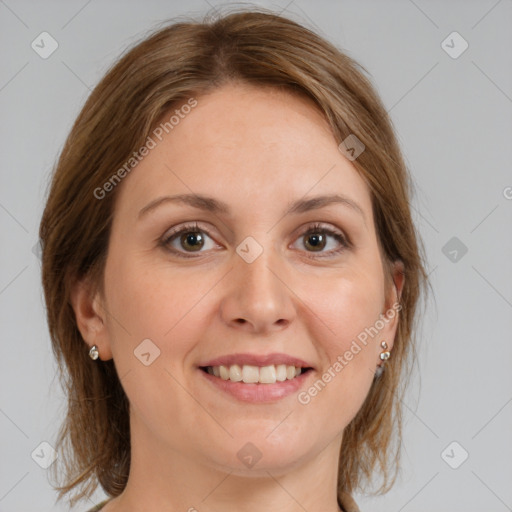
(99,506)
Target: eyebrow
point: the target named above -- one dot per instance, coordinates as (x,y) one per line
(215,206)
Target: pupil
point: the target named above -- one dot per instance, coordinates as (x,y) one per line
(318,241)
(191,239)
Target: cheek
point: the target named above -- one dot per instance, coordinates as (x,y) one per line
(346,306)
(345,311)
(144,306)
(148,301)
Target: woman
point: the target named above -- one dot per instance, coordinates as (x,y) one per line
(231,274)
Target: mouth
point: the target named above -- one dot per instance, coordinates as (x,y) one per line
(256,378)
(253,374)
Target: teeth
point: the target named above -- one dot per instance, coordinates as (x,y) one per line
(267,374)
(281,372)
(250,374)
(235,373)
(224,372)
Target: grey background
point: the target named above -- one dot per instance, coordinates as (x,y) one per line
(453,119)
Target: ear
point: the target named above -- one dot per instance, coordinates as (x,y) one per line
(398,272)
(91,316)
(392,304)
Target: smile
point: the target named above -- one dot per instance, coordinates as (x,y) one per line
(251,374)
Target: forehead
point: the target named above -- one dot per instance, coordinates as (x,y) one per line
(247,146)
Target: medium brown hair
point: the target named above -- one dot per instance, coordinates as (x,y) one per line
(173,64)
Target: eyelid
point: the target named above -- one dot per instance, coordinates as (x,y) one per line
(320,226)
(187,226)
(183,228)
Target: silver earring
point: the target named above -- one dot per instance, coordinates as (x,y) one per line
(384,356)
(93,353)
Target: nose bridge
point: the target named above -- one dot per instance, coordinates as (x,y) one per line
(256,273)
(259,271)
(259,296)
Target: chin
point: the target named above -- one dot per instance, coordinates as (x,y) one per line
(256,455)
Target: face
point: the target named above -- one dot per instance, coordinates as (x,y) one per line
(253,269)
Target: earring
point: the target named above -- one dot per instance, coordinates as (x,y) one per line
(384,356)
(93,353)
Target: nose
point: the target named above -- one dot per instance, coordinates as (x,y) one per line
(258,299)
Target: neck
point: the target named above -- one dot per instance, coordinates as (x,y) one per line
(165,479)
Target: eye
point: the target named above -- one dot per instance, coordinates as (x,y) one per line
(189,238)
(318,238)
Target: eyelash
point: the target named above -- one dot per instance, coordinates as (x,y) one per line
(314,229)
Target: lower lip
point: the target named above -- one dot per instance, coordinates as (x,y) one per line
(258,393)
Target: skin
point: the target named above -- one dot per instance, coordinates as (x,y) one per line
(256,150)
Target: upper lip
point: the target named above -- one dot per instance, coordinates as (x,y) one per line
(257,360)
